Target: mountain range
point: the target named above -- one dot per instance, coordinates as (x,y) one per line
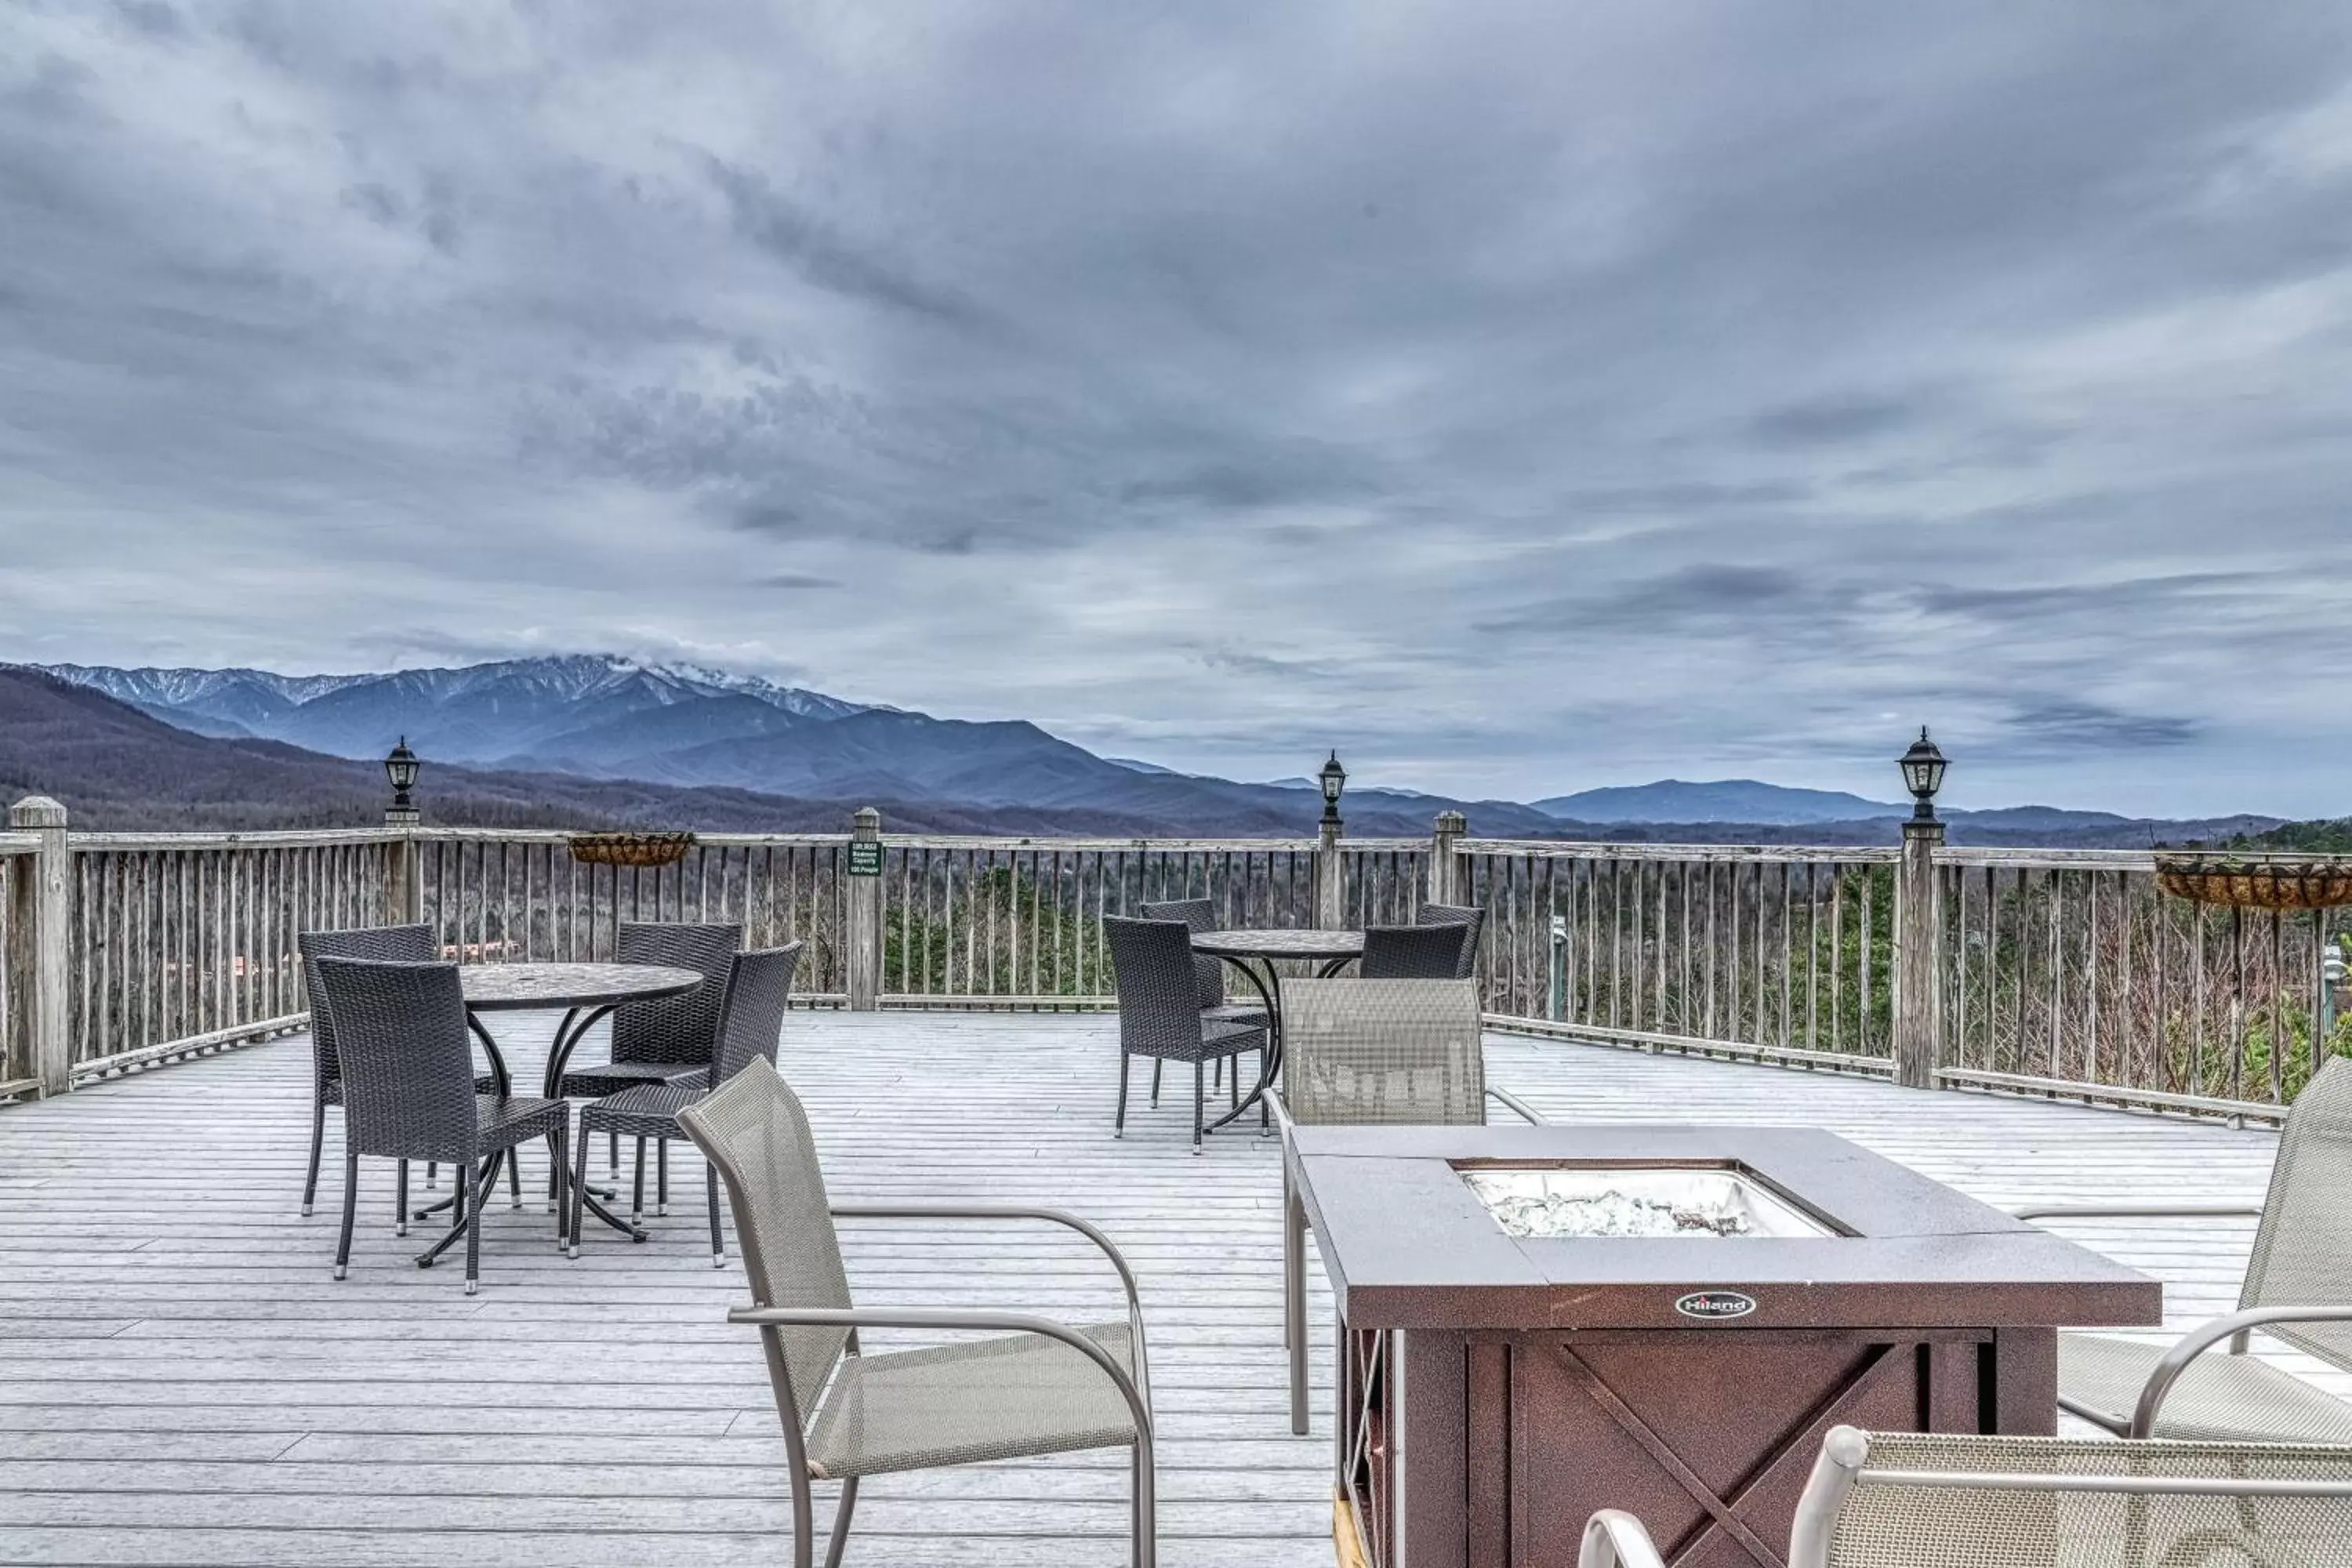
(709,748)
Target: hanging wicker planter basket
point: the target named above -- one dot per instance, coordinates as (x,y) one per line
(631,848)
(2256,882)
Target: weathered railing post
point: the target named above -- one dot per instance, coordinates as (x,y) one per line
(1919,992)
(862,910)
(1330,880)
(403,880)
(1447,879)
(39,917)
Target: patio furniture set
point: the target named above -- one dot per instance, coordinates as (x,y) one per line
(1775,1347)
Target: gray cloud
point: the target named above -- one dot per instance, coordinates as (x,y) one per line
(1538,397)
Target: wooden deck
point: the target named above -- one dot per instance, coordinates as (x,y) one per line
(181,1381)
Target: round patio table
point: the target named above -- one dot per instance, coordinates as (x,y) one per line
(587,992)
(1253,954)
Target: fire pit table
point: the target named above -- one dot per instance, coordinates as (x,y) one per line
(1538,1322)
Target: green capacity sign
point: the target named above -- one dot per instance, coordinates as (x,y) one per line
(864,858)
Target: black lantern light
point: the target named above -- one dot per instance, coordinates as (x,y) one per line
(401,768)
(1334,778)
(1923,774)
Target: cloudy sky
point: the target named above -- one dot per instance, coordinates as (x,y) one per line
(1516,398)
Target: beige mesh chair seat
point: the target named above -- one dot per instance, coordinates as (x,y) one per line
(1046,1388)
(2219,1398)
(1906,1501)
(2298,1289)
(1366,1052)
(967,1403)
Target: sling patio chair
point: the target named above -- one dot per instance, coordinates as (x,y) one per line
(1879,1500)
(1160,1012)
(1411,953)
(2297,1289)
(1364,1052)
(759,987)
(1038,1387)
(667,1038)
(409,1092)
(1468,916)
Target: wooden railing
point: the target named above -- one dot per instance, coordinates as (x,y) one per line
(2031,972)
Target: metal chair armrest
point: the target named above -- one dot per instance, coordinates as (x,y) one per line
(1518,1105)
(2137,1211)
(2204,1336)
(999,1211)
(1615,1539)
(959,1321)
(1021,1211)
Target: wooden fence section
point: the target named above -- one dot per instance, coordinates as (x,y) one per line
(1787,951)
(178,943)
(522,896)
(2026,971)
(2076,968)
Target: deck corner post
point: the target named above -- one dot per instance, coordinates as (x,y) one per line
(40,915)
(1919,992)
(404,882)
(1331,900)
(862,911)
(1446,880)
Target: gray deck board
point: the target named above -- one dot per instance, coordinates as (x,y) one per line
(181,1383)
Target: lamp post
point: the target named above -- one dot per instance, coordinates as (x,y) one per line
(1329,902)
(401,767)
(1334,779)
(1923,774)
(1919,1001)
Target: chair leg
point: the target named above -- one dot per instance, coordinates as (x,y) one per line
(1217,1073)
(1234,1084)
(400,1215)
(1264,1121)
(351,1212)
(1118,1117)
(558,1161)
(1155,1083)
(637,1198)
(318,1139)
(1294,1300)
(432,1174)
(613,1152)
(1196,1106)
(514,1176)
(1144,1548)
(718,1239)
(661,1176)
(474,1232)
(839,1540)
(573,1198)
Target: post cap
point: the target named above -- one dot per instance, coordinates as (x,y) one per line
(1452,822)
(37,811)
(867,819)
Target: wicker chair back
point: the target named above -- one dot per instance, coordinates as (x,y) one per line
(1159,990)
(757,993)
(408,1062)
(682,1028)
(384,944)
(1411,953)
(1199,915)
(1466,964)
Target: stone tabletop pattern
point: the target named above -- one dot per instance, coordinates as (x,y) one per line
(1280,943)
(521,985)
